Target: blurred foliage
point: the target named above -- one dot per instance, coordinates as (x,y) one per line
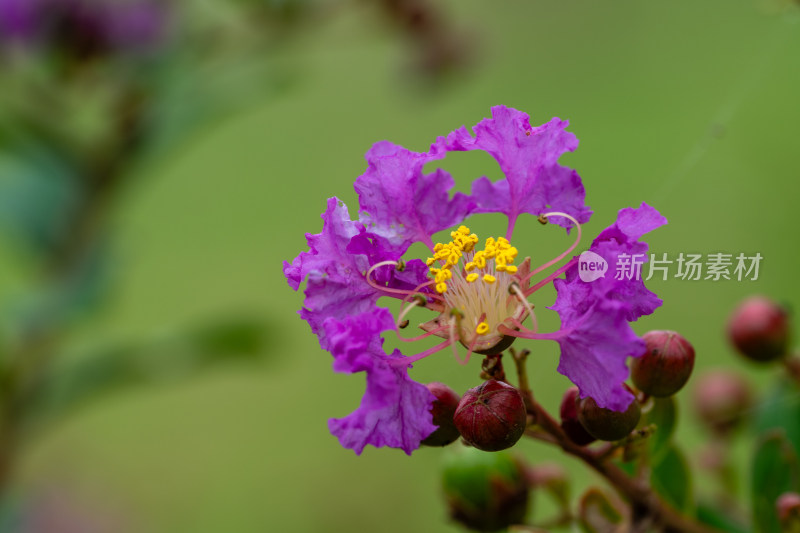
(602,513)
(86,380)
(774,471)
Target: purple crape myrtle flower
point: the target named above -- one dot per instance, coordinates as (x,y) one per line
(478,292)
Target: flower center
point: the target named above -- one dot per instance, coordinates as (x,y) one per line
(478,286)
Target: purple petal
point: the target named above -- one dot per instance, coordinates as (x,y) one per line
(593,354)
(595,315)
(622,237)
(401,203)
(335,271)
(395,410)
(535,183)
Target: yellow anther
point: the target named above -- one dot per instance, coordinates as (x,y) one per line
(429,261)
(463,230)
(488,278)
(511,269)
(441,288)
(479,260)
(438,247)
(469,266)
(473,238)
(482,329)
(443,276)
(472,277)
(501,268)
(453,257)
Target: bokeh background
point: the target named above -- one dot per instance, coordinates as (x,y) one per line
(690,106)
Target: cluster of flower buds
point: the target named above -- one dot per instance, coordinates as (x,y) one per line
(490,417)
(661,371)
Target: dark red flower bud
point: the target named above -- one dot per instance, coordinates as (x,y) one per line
(605,424)
(759,329)
(569,419)
(444,409)
(665,366)
(788,509)
(491,416)
(485,491)
(720,399)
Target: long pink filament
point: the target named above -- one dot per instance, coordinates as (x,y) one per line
(564,253)
(526,334)
(424,335)
(551,277)
(391,291)
(406,361)
(454,334)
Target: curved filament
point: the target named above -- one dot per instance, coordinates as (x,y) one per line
(406,361)
(390,290)
(564,253)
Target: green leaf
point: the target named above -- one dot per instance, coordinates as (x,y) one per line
(719,519)
(663,415)
(774,471)
(671,478)
(781,410)
(600,513)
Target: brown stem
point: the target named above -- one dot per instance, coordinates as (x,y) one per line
(637,491)
(520,359)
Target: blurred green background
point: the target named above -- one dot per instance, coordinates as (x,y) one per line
(690,106)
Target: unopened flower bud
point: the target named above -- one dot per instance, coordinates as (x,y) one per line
(720,399)
(788,509)
(759,329)
(605,424)
(665,366)
(491,416)
(569,419)
(485,491)
(444,408)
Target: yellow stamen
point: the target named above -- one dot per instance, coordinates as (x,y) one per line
(472,277)
(488,278)
(482,329)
